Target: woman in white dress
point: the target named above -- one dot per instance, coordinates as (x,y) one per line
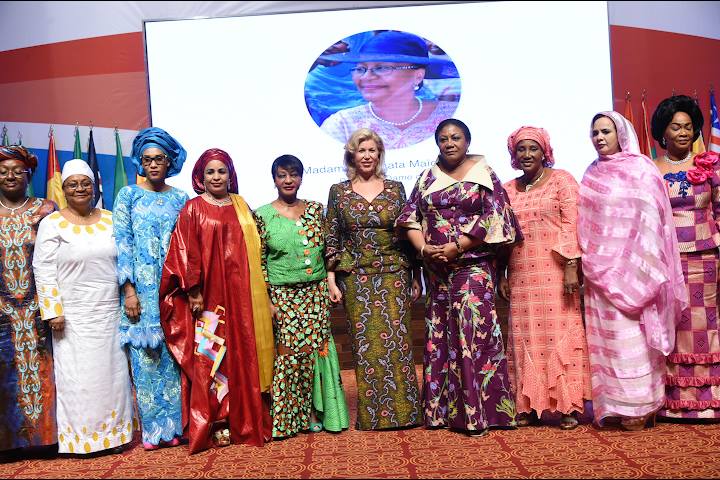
(76,275)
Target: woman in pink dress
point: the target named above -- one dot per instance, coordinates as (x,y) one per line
(634,287)
(547,350)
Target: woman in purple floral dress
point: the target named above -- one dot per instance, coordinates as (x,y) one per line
(457,216)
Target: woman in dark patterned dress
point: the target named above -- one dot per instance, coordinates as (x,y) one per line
(27,385)
(457,216)
(370,270)
(692,375)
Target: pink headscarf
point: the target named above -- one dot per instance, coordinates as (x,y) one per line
(627,236)
(536,134)
(198,173)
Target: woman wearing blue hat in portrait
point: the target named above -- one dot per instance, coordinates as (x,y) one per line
(144,218)
(389,72)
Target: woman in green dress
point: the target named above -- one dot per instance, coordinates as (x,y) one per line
(370,270)
(306,391)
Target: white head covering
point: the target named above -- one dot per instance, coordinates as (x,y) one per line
(77,167)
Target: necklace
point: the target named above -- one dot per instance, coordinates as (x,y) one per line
(214,201)
(677,162)
(12,210)
(398,124)
(532,184)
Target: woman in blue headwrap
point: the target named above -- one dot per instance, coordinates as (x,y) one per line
(144,218)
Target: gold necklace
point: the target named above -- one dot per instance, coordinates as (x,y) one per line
(12,210)
(217,202)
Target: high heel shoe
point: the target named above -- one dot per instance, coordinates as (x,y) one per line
(637,424)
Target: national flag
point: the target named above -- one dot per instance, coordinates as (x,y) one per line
(93,162)
(120,177)
(20,138)
(647,147)
(698,145)
(714,143)
(77,151)
(5,139)
(628,109)
(54,177)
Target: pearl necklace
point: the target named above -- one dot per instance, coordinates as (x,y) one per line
(677,162)
(214,201)
(398,124)
(532,184)
(12,210)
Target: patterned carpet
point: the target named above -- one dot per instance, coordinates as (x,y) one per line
(666,451)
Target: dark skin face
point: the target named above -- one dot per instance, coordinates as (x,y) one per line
(78,190)
(679,134)
(217,176)
(530,157)
(14,178)
(155,163)
(453,147)
(287,183)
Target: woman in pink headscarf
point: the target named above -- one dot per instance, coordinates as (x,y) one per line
(215,311)
(634,287)
(547,351)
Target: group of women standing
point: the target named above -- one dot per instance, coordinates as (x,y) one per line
(224,312)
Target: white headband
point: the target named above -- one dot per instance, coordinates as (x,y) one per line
(77,167)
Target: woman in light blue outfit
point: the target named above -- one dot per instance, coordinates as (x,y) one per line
(144,217)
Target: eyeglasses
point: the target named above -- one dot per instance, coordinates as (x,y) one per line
(380,70)
(78,186)
(159,160)
(16,172)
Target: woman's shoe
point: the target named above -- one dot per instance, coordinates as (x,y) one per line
(316,427)
(568,422)
(174,442)
(221,437)
(477,433)
(636,424)
(150,446)
(526,419)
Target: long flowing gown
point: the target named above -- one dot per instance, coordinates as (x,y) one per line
(76,273)
(308,376)
(27,385)
(547,350)
(218,353)
(143,223)
(373,270)
(693,368)
(466,384)
(634,290)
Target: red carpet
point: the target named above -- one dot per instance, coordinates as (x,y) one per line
(666,451)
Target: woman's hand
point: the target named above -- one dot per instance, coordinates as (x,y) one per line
(504,288)
(445,253)
(195,299)
(433,254)
(335,293)
(273,311)
(416,289)
(570,279)
(57,324)
(132,307)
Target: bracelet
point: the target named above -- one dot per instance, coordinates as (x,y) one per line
(571,263)
(422,251)
(130,296)
(459,247)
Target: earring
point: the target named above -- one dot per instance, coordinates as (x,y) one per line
(417,87)
(663,143)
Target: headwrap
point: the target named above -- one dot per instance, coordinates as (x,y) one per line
(535,134)
(198,173)
(626,232)
(77,167)
(18,152)
(154,137)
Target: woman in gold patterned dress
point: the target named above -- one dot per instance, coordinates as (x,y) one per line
(369,269)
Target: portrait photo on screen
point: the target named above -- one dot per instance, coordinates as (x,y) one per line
(399,84)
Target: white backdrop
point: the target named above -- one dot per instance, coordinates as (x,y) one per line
(238,83)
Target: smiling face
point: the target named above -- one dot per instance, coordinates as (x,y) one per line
(14,177)
(604,136)
(366,158)
(389,85)
(453,146)
(287,182)
(216,179)
(529,156)
(78,190)
(679,133)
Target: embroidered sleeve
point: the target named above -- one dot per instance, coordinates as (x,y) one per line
(45,255)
